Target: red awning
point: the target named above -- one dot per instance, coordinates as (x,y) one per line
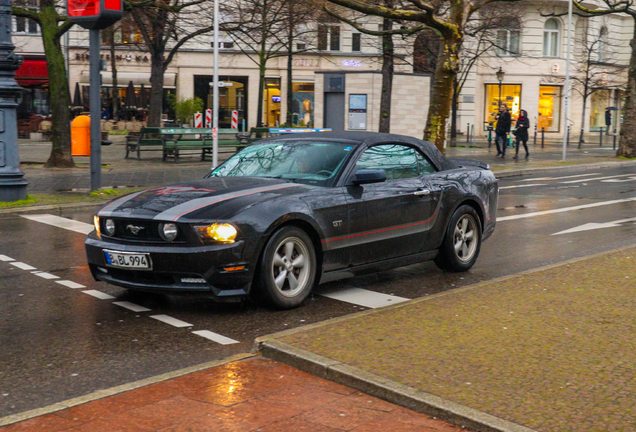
(32,73)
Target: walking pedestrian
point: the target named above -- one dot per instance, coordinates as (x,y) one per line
(521,132)
(608,120)
(504,121)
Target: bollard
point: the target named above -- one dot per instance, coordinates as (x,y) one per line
(567,137)
(535,135)
(581,138)
(614,145)
(468,133)
(472,133)
(601,139)
(542,136)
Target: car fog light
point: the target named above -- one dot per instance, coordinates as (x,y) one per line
(109,226)
(222,233)
(168,231)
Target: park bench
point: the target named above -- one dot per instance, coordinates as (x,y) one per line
(171,141)
(255,134)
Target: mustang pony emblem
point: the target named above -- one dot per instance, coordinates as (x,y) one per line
(134,229)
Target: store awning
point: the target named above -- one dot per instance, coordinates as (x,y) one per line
(32,73)
(137,78)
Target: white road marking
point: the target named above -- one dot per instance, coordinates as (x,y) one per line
(60,222)
(70,284)
(563,210)
(593,226)
(131,306)
(522,186)
(45,275)
(98,294)
(597,178)
(362,297)
(619,181)
(559,178)
(22,265)
(172,321)
(215,337)
(6,258)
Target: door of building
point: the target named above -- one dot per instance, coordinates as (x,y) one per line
(334,110)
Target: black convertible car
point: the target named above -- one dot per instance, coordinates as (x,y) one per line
(289,212)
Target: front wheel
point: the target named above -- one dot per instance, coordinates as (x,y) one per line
(287,268)
(462,241)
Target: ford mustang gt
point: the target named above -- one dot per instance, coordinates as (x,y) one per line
(291,212)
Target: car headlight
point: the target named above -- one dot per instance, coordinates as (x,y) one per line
(168,231)
(222,233)
(109,227)
(98,229)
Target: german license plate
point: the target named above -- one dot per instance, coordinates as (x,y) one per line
(127,260)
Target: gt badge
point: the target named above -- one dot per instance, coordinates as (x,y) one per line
(337,223)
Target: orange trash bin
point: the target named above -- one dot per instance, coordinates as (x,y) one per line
(81,136)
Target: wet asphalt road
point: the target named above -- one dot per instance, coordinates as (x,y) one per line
(58,342)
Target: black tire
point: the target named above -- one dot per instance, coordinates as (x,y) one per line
(281,283)
(462,241)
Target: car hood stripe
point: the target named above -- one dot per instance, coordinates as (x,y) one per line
(176,212)
(109,208)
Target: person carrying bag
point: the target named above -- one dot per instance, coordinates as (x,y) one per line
(521,132)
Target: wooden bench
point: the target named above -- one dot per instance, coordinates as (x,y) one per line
(172,140)
(255,134)
(175,140)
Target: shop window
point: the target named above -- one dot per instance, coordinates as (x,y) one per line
(356,42)
(302,108)
(508,38)
(551,37)
(549,108)
(232,97)
(510,95)
(599,101)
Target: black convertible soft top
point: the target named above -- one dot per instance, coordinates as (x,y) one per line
(371,138)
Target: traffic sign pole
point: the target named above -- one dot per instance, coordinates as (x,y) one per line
(95,104)
(215,98)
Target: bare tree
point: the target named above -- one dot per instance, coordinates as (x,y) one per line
(53,24)
(627,142)
(166,25)
(449,19)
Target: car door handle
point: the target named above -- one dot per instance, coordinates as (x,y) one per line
(422,192)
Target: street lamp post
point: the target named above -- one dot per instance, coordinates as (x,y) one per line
(13,187)
(500,77)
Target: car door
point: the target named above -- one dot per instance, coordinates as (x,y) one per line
(392,218)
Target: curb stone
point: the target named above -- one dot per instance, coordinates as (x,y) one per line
(399,394)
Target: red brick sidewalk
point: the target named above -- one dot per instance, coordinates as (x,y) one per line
(249,395)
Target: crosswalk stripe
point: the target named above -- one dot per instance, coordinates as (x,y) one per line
(131,306)
(45,275)
(171,321)
(215,337)
(60,222)
(22,265)
(70,284)
(98,294)
(6,258)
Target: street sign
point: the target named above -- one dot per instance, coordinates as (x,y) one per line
(223,84)
(95,14)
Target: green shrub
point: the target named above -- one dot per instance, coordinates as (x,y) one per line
(185,109)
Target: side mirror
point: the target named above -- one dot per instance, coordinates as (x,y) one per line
(367,176)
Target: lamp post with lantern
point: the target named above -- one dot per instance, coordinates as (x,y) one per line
(13,187)
(500,77)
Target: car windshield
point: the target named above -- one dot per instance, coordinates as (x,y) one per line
(311,162)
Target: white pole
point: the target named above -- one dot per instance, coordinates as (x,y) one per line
(567,82)
(215,98)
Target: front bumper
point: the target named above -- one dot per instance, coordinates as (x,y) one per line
(175,268)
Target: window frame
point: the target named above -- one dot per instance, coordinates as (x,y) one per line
(548,36)
(329,35)
(415,149)
(507,50)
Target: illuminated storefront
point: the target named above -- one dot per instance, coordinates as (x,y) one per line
(549,108)
(232,96)
(271,102)
(599,101)
(510,95)
(302,104)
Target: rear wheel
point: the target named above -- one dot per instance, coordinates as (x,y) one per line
(462,241)
(287,268)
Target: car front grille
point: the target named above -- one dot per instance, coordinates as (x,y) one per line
(139,230)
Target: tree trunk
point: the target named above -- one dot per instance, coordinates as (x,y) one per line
(439,109)
(453,129)
(58,91)
(113,68)
(387,77)
(585,96)
(261,89)
(627,142)
(155,107)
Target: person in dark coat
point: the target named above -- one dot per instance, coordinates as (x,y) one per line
(608,120)
(521,132)
(504,121)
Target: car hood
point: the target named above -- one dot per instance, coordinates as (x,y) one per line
(195,199)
